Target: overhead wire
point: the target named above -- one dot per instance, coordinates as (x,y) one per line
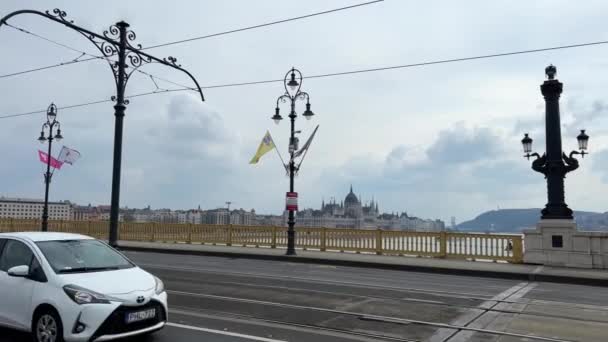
(91,57)
(412,65)
(261,25)
(225,85)
(73,61)
(41,111)
(174,42)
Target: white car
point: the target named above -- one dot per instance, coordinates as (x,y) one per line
(69,287)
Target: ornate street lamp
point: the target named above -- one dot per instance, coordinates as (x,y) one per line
(292,94)
(117,45)
(51,122)
(554,164)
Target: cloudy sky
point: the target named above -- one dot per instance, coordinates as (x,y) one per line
(435,141)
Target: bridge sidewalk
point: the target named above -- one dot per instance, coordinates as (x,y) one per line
(446,266)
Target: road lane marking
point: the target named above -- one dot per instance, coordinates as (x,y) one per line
(465,295)
(489,313)
(510,291)
(291,288)
(538,269)
(305,328)
(379,318)
(412,275)
(221,332)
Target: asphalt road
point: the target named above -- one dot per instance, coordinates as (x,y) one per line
(230,299)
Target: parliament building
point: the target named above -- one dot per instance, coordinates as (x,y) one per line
(351,213)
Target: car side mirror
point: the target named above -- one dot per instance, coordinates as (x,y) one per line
(19,271)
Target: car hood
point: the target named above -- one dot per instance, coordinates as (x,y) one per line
(114,282)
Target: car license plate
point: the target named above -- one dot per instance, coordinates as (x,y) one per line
(140,315)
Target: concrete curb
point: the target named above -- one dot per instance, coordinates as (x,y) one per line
(553,278)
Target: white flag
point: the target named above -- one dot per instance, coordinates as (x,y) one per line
(68,155)
(307,144)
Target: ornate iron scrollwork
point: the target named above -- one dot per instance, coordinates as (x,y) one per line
(173,61)
(111,47)
(59,14)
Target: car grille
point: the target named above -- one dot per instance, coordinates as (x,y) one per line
(115,323)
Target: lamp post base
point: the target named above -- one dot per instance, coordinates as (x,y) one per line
(560,243)
(557,212)
(291,248)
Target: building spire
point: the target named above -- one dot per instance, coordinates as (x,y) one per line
(351,188)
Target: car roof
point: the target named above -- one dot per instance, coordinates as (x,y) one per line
(45,236)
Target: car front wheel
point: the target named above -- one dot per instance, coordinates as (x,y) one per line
(47,327)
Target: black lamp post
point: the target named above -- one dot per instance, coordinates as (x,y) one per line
(554,164)
(117,45)
(51,122)
(292,94)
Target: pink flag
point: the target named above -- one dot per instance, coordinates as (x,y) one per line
(54,162)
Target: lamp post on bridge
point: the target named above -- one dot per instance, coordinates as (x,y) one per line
(51,122)
(117,48)
(554,164)
(292,94)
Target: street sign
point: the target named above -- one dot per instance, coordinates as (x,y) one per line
(291,201)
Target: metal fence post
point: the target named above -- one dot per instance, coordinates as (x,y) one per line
(518,250)
(443,245)
(323,239)
(379,242)
(273,243)
(229,243)
(89,228)
(153,237)
(189,233)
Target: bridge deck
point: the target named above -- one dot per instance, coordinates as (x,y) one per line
(236,299)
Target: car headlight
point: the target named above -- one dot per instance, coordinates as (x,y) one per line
(160,286)
(81,295)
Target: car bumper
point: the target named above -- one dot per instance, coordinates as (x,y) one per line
(132,333)
(105,322)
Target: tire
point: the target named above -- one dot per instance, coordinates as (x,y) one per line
(47,326)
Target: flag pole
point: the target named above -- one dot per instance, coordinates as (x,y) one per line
(282,161)
(306,151)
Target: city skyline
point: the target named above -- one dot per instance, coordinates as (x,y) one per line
(453,152)
(365,205)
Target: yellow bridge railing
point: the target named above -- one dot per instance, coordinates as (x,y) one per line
(503,247)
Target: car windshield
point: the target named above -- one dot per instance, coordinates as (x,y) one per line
(77,256)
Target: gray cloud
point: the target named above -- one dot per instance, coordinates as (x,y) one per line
(481,172)
(391,133)
(460,145)
(585,118)
(600,164)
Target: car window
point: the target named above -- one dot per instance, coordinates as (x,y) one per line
(70,256)
(2,241)
(36,271)
(15,253)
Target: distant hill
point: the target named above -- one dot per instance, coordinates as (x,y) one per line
(515,220)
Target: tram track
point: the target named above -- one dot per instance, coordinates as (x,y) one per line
(364,316)
(491,303)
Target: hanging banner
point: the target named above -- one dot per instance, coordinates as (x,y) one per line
(44,158)
(291,201)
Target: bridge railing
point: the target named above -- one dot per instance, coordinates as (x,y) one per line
(495,247)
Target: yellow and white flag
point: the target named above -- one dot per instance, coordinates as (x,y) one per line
(266,146)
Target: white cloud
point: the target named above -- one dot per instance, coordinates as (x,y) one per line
(436,141)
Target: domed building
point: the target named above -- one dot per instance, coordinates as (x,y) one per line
(352,213)
(352,206)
